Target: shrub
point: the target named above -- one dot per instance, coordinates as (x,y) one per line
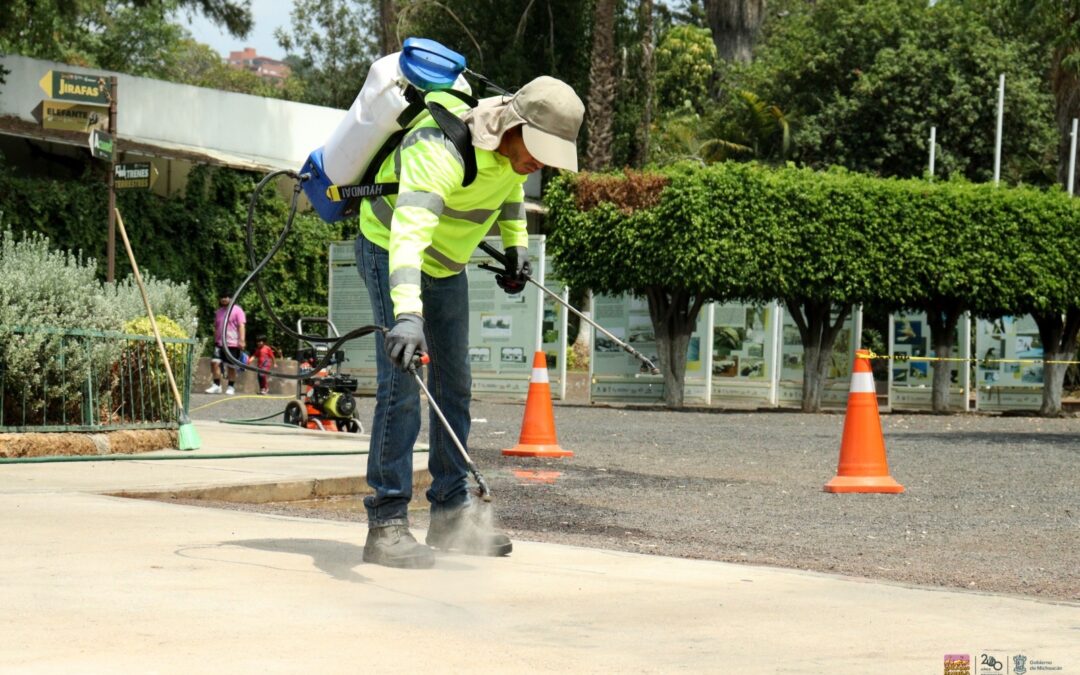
(45,375)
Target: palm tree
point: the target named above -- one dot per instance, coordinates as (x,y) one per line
(601,87)
(734,25)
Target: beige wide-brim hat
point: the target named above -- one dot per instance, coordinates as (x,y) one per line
(551,114)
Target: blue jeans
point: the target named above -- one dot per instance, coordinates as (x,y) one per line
(396,425)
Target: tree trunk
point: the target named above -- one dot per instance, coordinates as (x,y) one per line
(1066,87)
(674,316)
(818,333)
(734,25)
(645,20)
(388,17)
(583,341)
(942,325)
(601,87)
(1058,333)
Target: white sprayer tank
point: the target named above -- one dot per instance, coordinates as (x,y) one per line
(370,121)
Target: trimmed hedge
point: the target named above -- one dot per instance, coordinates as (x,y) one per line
(745,232)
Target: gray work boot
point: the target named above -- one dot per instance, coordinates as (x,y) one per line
(469,530)
(394,546)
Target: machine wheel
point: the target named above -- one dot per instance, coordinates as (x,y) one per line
(296,413)
(351,426)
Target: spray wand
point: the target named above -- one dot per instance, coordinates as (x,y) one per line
(500,257)
(424,359)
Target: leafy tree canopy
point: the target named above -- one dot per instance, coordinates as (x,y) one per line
(331,44)
(867,80)
(131,36)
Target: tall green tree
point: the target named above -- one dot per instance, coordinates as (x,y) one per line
(1055,24)
(332,43)
(735,25)
(131,36)
(602,87)
(509,41)
(868,80)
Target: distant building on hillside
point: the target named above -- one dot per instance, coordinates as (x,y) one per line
(263,66)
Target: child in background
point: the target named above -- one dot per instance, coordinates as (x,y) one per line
(264,359)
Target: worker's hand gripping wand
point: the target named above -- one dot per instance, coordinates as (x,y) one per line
(424,359)
(501,258)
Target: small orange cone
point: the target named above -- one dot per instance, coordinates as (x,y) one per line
(863,467)
(538,429)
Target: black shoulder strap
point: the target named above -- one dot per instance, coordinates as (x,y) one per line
(449,123)
(459,134)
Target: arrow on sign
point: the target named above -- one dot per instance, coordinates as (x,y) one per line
(75,87)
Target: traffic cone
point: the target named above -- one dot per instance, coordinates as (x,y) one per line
(863,467)
(538,429)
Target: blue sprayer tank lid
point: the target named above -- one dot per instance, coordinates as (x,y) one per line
(428,65)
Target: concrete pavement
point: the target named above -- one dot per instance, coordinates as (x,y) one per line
(93,583)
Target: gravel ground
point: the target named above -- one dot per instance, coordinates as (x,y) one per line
(991,504)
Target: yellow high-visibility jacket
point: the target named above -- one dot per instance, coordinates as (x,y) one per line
(434,224)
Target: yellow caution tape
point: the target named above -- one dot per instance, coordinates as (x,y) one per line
(956,359)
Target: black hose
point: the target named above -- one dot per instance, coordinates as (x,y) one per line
(257,269)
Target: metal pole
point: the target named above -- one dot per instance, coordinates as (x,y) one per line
(541,272)
(564,317)
(110,248)
(933,147)
(1000,117)
(1072,157)
(706,351)
(776,356)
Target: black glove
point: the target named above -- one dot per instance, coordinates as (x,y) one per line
(405,340)
(517,272)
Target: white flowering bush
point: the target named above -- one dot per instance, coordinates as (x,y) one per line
(45,377)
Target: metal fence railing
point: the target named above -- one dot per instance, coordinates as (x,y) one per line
(83,380)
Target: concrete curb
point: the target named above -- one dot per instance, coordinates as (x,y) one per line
(283,491)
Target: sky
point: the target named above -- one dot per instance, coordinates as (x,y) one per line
(268,15)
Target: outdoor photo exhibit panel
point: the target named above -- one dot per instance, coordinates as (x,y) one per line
(838,373)
(504,330)
(744,353)
(756,356)
(911,382)
(615,375)
(349,308)
(1008,368)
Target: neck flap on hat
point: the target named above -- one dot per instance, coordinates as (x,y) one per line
(489,120)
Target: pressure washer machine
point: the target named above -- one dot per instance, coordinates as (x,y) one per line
(325,398)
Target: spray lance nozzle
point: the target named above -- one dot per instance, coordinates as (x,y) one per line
(422,360)
(646,365)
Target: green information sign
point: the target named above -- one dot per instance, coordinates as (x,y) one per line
(76,87)
(101,145)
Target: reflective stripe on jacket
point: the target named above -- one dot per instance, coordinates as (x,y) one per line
(434,224)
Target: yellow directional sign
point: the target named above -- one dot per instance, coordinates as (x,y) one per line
(130,175)
(76,87)
(65,116)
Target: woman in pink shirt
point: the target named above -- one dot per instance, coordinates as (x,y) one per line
(227,333)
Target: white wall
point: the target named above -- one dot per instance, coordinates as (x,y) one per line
(237,129)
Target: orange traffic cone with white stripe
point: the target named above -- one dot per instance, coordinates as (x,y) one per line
(538,429)
(863,467)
